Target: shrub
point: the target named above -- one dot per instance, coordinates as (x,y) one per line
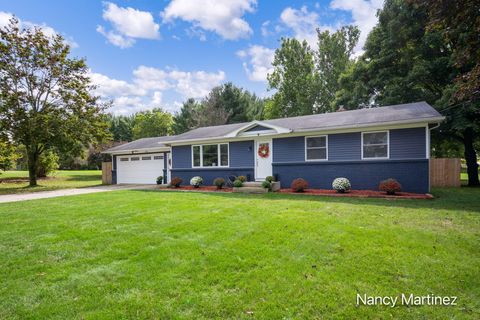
(47,164)
(270,179)
(242,178)
(159,179)
(341,185)
(176,182)
(299,185)
(237,183)
(390,186)
(196,181)
(267,185)
(219,182)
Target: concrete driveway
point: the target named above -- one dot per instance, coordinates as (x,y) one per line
(69,192)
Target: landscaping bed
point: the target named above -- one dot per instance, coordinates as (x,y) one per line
(361,194)
(319,192)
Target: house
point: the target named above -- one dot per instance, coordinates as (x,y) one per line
(365,146)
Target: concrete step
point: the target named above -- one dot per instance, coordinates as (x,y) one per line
(253,184)
(250,190)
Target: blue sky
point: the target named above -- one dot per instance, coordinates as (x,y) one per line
(145,54)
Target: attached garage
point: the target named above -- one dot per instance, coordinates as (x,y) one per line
(141,161)
(140,168)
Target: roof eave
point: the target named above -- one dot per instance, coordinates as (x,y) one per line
(373,124)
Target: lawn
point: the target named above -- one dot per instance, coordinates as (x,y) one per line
(17,181)
(164,255)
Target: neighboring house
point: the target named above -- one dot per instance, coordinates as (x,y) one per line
(365,146)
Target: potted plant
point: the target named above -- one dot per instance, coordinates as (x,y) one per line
(159,179)
(219,182)
(176,182)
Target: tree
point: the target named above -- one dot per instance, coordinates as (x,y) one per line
(459,25)
(295,79)
(8,155)
(185,119)
(154,123)
(407,61)
(45,99)
(121,127)
(333,58)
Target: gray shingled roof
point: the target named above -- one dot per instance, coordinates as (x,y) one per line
(144,143)
(411,112)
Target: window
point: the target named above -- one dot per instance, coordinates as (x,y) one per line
(135,158)
(375,145)
(210,155)
(157,157)
(123,159)
(316,148)
(146,158)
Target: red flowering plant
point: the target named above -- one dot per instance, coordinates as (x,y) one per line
(299,185)
(390,186)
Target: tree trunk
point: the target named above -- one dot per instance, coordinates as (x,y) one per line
(32,167)
(471,158)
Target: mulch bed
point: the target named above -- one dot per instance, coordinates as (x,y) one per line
(360,194)
(202,189)
(320,192)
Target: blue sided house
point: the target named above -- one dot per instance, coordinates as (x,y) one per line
(365,146)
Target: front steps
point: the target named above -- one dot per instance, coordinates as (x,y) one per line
(256,187)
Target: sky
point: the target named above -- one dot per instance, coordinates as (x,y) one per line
(157,53)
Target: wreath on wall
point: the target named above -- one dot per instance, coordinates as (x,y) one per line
(263,150)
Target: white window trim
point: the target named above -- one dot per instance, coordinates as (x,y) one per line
(218,155)
(326,148)
(388,145)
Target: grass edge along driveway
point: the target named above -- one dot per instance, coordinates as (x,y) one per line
(146,254)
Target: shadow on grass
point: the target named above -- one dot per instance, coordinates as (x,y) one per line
(459,199)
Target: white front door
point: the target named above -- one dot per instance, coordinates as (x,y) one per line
(263,158)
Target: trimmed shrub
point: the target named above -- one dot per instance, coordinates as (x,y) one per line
(267,185)
(390,186)
(299,185)
(341,185)
(270,179)
(159,179)
(176,182)
(196,181)
(47,164)
(242,178)
(219,182)
(237,183)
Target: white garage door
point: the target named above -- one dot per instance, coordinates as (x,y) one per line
(139,168)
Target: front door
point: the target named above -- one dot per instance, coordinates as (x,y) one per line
(263,159)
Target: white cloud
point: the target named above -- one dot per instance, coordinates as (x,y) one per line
(259,62)
(264,29)
(224,17)
(303,23)
(47,30)
(128,24)
(149,85)
(363,14)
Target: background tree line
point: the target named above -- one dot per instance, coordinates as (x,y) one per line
(419,50)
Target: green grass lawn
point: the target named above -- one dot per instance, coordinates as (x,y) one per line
(17,181)
(164,255)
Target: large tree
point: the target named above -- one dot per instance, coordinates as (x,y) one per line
(185,119)
(406,61)
(121,127)
(333,57)
(152,123)
(295,79)
(45,95)
(459,24)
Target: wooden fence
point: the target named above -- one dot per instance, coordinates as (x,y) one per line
(445,172)
(106,172)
